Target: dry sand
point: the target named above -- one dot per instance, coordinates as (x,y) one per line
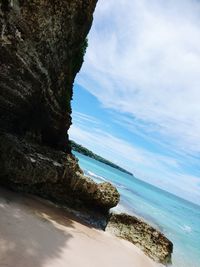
(35,233)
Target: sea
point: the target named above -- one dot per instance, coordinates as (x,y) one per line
(177,218)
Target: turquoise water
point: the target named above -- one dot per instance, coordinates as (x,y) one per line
(178,219)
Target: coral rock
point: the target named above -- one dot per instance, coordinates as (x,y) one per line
(141,234)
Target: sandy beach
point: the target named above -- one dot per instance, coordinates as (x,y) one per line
(34,232)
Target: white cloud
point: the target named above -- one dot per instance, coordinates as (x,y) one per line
(144,60)
(82,118)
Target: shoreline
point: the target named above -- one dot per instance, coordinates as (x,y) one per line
(35,232)
(88,153)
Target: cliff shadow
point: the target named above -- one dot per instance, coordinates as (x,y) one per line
(32,233)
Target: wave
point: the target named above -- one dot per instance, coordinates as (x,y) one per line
(95,176)
(101,178)
(186,228)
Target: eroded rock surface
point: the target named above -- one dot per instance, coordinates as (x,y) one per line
(42,44)
(51,174)
(150,240)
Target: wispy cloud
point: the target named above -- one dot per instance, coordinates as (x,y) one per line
(82,118)
(144,60)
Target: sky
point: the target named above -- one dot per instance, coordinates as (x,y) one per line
(137,97)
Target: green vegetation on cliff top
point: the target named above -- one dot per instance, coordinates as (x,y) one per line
(89,153)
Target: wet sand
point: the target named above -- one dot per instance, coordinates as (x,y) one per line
(36,233)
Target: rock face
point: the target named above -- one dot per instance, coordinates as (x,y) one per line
(41,49)
(150,240)
(51,174)
(42,45)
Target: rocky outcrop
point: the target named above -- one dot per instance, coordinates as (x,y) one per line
(51,174)
(150,240)
(42,44)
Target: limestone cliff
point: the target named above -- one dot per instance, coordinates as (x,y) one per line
(42,45)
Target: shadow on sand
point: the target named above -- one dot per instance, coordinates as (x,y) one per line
(31,231)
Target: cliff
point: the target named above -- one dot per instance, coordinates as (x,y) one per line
(42,46)
(42,49)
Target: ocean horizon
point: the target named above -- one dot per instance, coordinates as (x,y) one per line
(177,218)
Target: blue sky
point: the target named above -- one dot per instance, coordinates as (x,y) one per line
(137,97)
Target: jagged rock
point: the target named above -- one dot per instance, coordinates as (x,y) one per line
(104,195)
(42,44)
(150,240)
(107,195)
(52,174)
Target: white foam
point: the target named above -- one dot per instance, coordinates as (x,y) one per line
(93,175)
(120,209)
(186,228)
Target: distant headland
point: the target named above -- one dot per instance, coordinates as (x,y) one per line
(83,150)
